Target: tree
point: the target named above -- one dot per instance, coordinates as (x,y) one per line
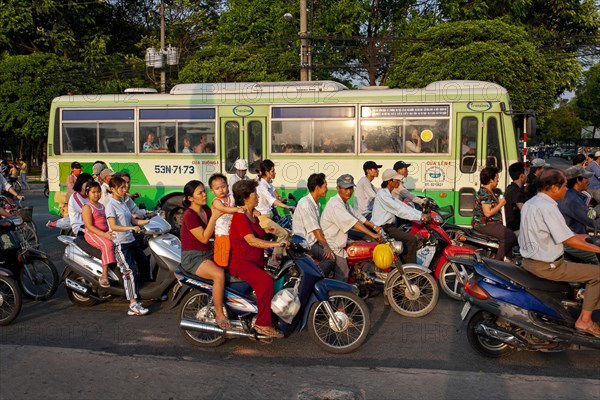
(563,125)
(587,97)
(489,51)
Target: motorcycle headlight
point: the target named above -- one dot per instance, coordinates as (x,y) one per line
(397,246)
(438,220)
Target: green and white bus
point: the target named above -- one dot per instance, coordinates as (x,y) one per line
(304,127)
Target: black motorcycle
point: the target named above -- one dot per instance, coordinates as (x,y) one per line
(35,273)
(10,298)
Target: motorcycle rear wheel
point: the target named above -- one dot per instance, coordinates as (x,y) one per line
(418,304)
(451,280)
(38,278)
(483,344)
(79,299)
(353,315)
(10,300)
(195,307)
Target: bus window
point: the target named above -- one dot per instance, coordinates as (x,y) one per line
(116,138)
(79,138)
(156,138)
(255,145)
(493,145)
(468,144)
(313,129)
(201,137)
(232,144)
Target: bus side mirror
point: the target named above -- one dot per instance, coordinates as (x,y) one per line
(531,123)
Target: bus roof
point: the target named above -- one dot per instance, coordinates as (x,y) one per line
(272,92)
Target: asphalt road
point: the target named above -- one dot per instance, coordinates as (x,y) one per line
(57,350)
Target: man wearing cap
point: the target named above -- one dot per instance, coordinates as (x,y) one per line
(575,210)
(402,192)
(543,234)
(75,171)
(306,222)
(365,191)
(385,210)
(96,169)
(241,167)
(594,168)
(535,170)
(337,219)
(105,177)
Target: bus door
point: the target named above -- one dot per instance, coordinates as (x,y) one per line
(481,145)
(242,138)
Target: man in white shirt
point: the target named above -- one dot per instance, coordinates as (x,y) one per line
(543,234)
(402,192)
(365,191)
(241,167)
(337,219)
(306,223)
(105,177)
(385,210)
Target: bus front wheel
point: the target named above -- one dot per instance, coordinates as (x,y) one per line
(173,209)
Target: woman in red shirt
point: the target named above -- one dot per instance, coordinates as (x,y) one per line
(197,228)
(247,244)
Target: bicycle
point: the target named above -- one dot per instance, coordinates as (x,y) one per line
(28,229)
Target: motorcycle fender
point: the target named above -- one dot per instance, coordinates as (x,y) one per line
(180,293)
(36,252)
(6,272)
(416,266)
(324,286)
(450,251)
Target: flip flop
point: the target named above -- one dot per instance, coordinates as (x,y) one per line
(268,331)
(593,330)
(224,324)
(103,282)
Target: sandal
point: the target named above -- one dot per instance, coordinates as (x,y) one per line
(224,324)
(104,282)
(268,331)
(593,330)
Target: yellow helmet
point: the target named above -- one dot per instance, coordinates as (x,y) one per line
(383,256)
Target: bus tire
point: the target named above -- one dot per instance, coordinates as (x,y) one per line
(173,209)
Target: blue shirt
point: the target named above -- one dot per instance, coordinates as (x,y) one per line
(594,180)
(575,210)
(386,208)
(121,213)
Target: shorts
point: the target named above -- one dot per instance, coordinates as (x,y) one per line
(191,259)
(222,250)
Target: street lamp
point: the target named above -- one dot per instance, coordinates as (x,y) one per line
(305,48)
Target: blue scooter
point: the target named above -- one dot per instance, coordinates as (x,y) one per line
(511,309)
(337,319)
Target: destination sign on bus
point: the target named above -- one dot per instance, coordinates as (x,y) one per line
(406,111)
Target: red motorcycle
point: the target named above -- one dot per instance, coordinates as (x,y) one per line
(434,253)
(363,273)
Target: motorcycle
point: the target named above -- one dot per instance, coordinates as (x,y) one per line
(35,273)
(510,309)
(436,250)
(337,319)
(28,228)
(10,298)
(84,267)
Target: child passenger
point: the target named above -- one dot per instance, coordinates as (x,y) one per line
(96,230)
(224,203)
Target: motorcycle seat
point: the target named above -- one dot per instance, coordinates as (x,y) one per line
(480,236)
(88,248)
(228,278)
(525,278)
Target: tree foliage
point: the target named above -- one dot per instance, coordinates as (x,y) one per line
(588,96)
(563,124)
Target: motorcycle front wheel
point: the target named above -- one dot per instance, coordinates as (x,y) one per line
(29,232)
(452,278)
(483,344)
(38,278)
(416,301)
(10,300)
(353,323)
(198,306)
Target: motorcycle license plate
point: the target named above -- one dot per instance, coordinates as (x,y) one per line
(465,311)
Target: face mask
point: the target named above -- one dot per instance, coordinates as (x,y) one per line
(76,172)
(240,173)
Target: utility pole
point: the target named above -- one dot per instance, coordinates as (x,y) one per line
(305,50)
(163,73)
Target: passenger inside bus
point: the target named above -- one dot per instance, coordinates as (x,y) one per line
(187,145)
(151,147)
(413,143)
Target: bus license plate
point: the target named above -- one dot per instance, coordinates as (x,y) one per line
(465,311)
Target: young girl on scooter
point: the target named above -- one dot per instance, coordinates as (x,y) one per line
(223,202)
(96,230)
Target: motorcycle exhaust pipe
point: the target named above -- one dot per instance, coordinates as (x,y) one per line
(208,328)
(77,287)
(502,336)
